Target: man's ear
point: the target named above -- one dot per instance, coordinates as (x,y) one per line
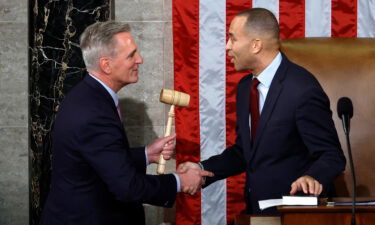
(105,64)
(256,45)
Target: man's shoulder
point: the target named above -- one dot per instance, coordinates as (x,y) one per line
(299,75)
(83,101)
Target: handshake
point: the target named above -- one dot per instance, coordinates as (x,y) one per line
(192,177)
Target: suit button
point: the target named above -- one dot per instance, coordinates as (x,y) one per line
(249,190)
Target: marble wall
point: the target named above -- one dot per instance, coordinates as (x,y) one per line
(13,113)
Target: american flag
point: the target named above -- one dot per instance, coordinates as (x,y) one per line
(202,70)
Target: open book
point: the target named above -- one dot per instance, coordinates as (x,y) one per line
(289,200)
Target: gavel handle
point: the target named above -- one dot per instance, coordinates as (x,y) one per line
(162,162)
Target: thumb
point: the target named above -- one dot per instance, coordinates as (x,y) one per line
(206,173)
(169,138)
(181,168)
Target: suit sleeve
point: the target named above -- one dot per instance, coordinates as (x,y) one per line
(103,147)
(232,160)
(138,158)
(317,130)
(229,163)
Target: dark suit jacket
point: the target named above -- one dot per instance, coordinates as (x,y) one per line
(296,136)
(96,177)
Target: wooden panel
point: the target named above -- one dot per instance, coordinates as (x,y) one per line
(325,215)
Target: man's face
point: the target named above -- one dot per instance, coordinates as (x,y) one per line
(239,45)
(125,64)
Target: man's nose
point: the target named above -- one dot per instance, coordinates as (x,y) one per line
(139,59)
(228,46)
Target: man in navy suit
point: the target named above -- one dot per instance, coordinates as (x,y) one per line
(96,177)
(286,140)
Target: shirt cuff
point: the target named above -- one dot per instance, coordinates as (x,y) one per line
(178,182)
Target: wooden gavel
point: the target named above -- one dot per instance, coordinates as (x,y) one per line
(173,98)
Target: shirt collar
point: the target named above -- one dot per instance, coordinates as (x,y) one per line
(266,76)
(109,90)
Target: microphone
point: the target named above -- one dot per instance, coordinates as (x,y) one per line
(345,113)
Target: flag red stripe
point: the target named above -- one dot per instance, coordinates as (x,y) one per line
(235,185)
(186,74)
(344,18)
(292,18)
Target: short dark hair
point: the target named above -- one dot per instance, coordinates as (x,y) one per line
(261,20)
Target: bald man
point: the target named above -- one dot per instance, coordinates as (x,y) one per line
(286,139)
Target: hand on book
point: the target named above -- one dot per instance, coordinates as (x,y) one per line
(308,185)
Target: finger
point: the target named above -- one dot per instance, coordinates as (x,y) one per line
(190,190)
(320,189)
(169,144)
(206,173)
(167,157)
(185,189)
(316,187)
(169,138)
(168,148)
(304,186)
(167,154)
(310,186)
(181,168)
(293,189)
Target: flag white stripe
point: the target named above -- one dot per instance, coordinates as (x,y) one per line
(212,19)
(272,5)
(318,18)
(366,18)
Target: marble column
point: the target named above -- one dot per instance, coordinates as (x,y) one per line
(55,66)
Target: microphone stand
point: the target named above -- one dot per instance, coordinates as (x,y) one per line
(354,188)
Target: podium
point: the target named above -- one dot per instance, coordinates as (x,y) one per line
(313,215)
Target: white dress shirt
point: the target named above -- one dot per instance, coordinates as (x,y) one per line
(265,78)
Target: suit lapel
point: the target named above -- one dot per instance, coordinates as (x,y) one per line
(243,113)
(271,99)
(97,87)
(103,92)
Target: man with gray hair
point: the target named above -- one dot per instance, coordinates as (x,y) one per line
(96,177)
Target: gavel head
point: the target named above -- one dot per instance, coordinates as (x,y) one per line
(173,97)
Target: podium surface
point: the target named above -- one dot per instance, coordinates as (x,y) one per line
(326,215)
(315,215)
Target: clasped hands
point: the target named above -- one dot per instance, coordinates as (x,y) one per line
(191,175)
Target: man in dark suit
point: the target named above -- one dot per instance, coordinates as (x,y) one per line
(96,177)
(286,140)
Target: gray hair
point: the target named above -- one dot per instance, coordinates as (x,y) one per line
(262,21)
(97,41)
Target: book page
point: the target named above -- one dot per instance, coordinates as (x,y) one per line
(263,204)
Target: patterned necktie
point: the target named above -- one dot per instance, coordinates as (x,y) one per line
(254,106)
